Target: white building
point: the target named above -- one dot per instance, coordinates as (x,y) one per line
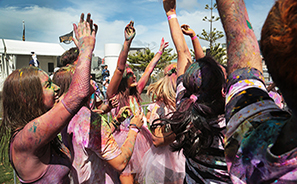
(16,54)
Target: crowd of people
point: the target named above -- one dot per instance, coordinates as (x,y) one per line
(207,123)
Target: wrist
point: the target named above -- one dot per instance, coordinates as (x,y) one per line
(160,52)
(194,37)
(172,16)
(134,127)
(170,12)
(115,123)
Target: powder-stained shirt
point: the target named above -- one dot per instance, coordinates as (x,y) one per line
(91,141)
(210,166)
(254,122)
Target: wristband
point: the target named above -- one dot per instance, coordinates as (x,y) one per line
(171,16)
(160,52)
(67,108)
(135,129)
(194,37)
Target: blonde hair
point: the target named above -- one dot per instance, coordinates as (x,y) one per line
(165,88)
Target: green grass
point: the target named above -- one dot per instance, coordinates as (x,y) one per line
(6,171)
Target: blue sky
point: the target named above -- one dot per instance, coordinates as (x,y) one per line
(47,20)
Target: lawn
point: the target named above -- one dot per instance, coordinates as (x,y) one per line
(6,172)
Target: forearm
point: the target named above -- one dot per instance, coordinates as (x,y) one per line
(121,161)
(197,47)
(80,85)
(242,46)
(183,53)
(147,73)
(119,71)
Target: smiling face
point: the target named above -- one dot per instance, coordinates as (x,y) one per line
(49,90)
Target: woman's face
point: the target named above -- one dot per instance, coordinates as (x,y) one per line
(131,80)
(49,90)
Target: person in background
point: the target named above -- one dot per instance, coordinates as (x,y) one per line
(97,158)
(160,164)
(34,61)
(105,72)
(70,57)
(105,86)
(124,86)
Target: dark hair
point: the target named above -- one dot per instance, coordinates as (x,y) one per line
(279,44)
(195,121)
(69,56)
(63,78)
(124,92)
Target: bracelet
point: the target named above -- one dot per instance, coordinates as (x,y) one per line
(135,129)
(194,37)
(160,52)
(67,108)
(171,16)
(115,123)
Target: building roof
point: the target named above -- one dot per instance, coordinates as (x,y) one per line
(26,47)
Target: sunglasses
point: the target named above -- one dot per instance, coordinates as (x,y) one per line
(129,75)
(161,130)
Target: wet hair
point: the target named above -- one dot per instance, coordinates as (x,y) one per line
(201,108)
(69,56)
(164,89)
(279,44)
(63,78)
(124,92)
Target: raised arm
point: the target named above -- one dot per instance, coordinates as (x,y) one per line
(150,67)
(195,41)
(118,73)
(183,54)
(242,46)
(39,132)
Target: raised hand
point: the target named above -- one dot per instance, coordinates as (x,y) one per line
(187,30)
(130,31)
(85,34)
(124,113)
(169,6)
(137,120)
(163,45)
(113,102)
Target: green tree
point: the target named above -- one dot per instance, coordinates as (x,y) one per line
(216,51)
(140,60)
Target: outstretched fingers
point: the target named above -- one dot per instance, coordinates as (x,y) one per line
(129,31)
(84,32)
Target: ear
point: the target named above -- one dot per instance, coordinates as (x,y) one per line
(223,92)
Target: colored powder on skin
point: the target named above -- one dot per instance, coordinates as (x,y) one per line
(249,24)
(33,128)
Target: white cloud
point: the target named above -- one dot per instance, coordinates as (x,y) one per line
(46,24)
